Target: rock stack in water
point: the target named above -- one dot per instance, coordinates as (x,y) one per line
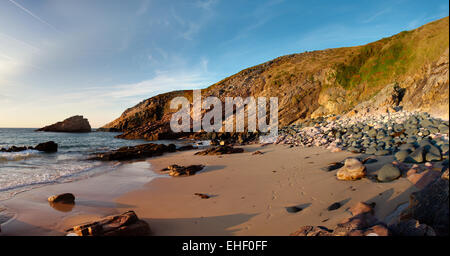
(76,124)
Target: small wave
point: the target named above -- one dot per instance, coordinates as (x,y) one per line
(18,156)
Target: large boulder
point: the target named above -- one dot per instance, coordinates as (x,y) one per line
(388,172)
(362,223)
(71,124)
(48,147)
(411,227)
(353,169)
(125,224)
(430,205)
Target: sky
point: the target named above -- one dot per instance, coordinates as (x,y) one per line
(96,58)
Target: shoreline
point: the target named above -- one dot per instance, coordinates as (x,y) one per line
(33,215)
(248,194)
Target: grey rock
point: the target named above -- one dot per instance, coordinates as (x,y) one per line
(388,172)
(417,156)
(401,155)
(407,146)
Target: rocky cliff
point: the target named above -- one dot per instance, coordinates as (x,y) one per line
(71,124)
(332,81)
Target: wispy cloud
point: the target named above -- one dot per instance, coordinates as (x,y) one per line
(206,4)
(376,15)
(34,15)
(261,15)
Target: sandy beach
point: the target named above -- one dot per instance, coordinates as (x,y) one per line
(248,194)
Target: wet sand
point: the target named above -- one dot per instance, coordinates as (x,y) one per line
(248,195)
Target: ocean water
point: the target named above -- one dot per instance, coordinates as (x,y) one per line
(25,170)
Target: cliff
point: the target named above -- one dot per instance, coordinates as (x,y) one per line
(331,81)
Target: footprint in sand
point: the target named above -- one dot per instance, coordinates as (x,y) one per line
(274,195)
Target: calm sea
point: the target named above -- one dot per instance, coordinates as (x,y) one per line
(27,169)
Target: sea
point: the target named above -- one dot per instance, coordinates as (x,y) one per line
(22,171)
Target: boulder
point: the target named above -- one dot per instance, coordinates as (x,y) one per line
(71,124)
(353,169)
(388,172)
(66,198)
(125,224)
(401,155)
(411,228)
(417,156)
(430,206)
(177,170)
(48,147)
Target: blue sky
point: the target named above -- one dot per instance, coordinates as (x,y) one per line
(99,57)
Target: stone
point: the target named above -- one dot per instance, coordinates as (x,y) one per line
(430,206)
(177,170)
(417,156)
(76,124)
(388,172)
(411,228)
(202,196)
(257,153)
(401,155)
(125,224)
(48,147)
(407,146)
(66,198)
(353,169)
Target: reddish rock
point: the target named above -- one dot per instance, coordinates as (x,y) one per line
(177,170)
(421,180)
(126,224)
(353,169)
